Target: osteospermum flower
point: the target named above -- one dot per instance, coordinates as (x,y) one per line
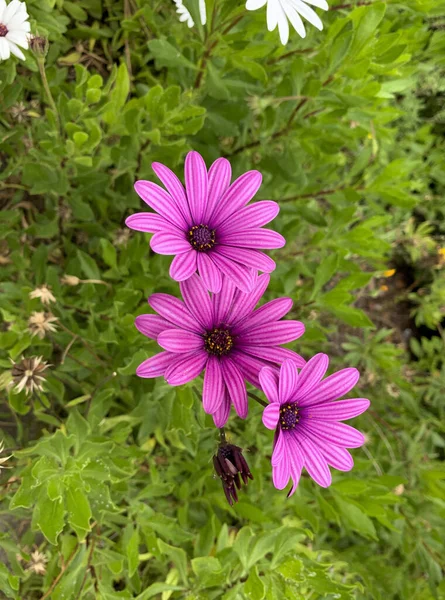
(14,29)
(309,433)
(279,12)
(222,334)
(208,226)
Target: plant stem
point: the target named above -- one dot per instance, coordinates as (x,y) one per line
(222,435)
(257,399)
(41,64)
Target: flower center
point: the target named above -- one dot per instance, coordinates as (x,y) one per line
(201,237)
(289,416)
(3,30)
(218,342)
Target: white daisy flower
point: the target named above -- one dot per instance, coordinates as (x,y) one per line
(279,12)
(184,13)
(14,29)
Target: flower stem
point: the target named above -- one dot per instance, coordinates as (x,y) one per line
(222,435)
(257,399)
(41,64)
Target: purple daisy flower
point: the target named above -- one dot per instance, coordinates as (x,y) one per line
(207,226)
(221,333)
(307,421)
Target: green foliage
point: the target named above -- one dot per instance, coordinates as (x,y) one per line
(111,476)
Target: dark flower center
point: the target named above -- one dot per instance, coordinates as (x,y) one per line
(218,342)
(289,416)
(3,30)
(201,237)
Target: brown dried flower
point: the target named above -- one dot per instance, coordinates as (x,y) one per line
(40,323)
(27,374)
(43,293)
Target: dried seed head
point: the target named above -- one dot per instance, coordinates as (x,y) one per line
(3,459)
(70,280)
(43,293)
(27,374)
(40,323)
(38,562)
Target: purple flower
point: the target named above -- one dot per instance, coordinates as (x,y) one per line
(221,333)
(207,226)
(307,421)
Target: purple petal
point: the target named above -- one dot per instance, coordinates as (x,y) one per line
(196,183)
(239,193)
(332,387)
(250,217)
(235,386)
(337,411)
(250,258)
(175,311)
(311,374)
(222,414)
(161,202)
(314,462)
(214,389)
(249,366)
(169,243)
(243,304)
(271,414)
(197,300)
(338,434)
(241,276)
(183,265)
(296,460)
(187,368)
(156,365)
(175,189)
(253,238)
(269,383)
(274,354)
(151,325)
(269,312)
(281,473)
(149,222)
(219,180)
(288,381)
(210,274)
(339,458)
(223,301)
(180,341)
(279,447)
(273,334)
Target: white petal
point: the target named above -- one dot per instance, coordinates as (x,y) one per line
(306,12)
(283,26)
(17,37)
(10,10)
(16,51)
(2,8)
(4,49)
(318,3)
(202,12)
(17,21)
(295,19)
(273,9)
(255,4)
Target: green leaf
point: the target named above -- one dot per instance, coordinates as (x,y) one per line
(78,507)
(167,55)
(178,556)
(356,519)
(325,271)
(254,588)
(133,552)
(49,516)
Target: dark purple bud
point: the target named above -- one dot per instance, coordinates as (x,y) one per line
(231,466)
